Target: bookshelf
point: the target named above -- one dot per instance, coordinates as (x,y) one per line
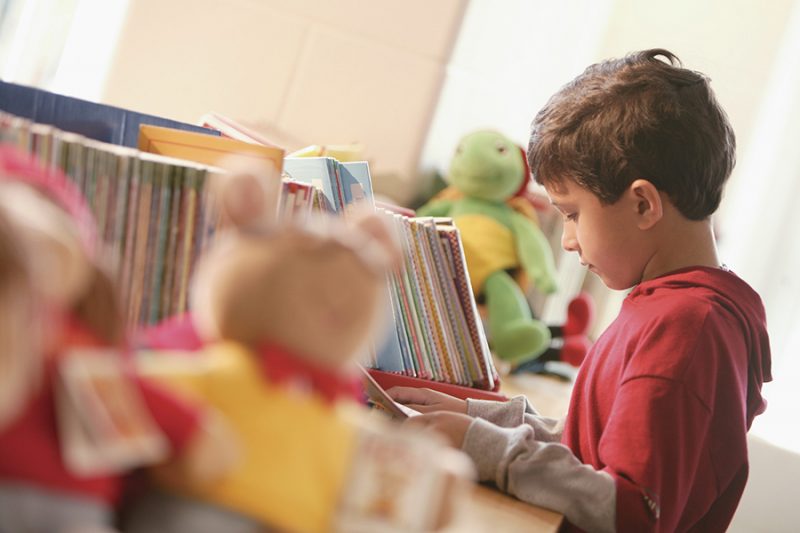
(155,217)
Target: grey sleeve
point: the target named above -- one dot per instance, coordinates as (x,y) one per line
(516,412)
(542,473)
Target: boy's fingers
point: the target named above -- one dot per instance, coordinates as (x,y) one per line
(408,395)
(422,408)
(421,421)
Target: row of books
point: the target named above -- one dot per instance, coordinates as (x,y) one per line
(151,212)
(341,184)
(437,334)
(319,182)
(155,217)
(151,209)
(438,331)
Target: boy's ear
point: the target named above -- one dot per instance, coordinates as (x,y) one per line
(647,202)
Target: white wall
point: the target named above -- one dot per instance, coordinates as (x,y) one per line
(769,503)
(314,71)
(509,58)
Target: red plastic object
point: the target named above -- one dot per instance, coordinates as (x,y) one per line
(387,380)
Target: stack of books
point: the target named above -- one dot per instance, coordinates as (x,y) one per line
(341,184)
(151,211)
(155,218)
(437,339)
(438,332)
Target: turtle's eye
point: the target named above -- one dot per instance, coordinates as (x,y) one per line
(501,148)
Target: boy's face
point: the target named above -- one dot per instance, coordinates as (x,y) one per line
(606,237)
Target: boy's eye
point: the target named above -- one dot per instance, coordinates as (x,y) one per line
(571,216)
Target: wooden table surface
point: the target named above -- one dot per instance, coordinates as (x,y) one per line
(549,396)
(492,511)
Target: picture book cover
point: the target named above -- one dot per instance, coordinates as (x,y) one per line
(227,127)
(202,148)
(356,182)
(103,421)
(319,172)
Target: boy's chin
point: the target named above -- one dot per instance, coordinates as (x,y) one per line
(614,284)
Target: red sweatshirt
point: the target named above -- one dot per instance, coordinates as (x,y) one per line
(655,438)
(665,398)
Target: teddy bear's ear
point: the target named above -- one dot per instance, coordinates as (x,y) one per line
(60,267)
(247,192)
(378,232)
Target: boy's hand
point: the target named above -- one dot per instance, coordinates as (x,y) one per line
(427,400)
(452,426)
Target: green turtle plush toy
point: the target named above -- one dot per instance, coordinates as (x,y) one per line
(487,170)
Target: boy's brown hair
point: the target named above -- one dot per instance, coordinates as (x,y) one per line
(637,117)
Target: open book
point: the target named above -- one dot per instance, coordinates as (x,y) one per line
(381,400)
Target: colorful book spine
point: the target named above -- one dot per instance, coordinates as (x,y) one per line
(455,351)
(129,244)
(471,311)
(457,313)
(194,184)
(416,360)
(147,169)
(170,257)
(122,178)
(426,285)
(101,190)
(151,243)
(418,310)
(160,241)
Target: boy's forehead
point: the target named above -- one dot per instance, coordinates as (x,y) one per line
(559,190)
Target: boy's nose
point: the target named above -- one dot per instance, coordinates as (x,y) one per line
(568,241)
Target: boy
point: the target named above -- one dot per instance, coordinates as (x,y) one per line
(634,153)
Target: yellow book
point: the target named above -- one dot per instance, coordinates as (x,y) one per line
(341,152)
(201,148)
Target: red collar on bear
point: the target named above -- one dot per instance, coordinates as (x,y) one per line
(282,367)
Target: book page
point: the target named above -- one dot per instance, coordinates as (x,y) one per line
(379,398)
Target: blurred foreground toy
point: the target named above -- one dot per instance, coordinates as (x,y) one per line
(75,420)
(284,311)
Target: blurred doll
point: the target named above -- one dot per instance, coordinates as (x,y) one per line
(20,326)
(285,311)
(48,482)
